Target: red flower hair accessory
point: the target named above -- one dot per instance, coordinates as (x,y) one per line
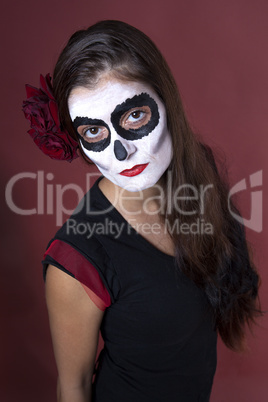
(41,110)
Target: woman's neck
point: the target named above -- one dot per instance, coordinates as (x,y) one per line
(143,212)
(140,202)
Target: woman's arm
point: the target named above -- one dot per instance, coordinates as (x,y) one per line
(74,323)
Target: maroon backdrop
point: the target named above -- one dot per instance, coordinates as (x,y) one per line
(218,54)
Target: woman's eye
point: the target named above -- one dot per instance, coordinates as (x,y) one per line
(92,132)
(136,116)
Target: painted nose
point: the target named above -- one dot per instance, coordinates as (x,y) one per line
(121,151)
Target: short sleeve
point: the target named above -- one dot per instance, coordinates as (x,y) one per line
(68,259)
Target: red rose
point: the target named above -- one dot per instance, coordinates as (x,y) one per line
(41,110)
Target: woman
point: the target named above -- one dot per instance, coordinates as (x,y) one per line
(163,265)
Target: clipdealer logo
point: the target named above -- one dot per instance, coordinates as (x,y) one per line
(255,220)
(50,197)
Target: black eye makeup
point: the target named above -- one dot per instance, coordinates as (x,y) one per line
(133,119)
(94,133)
(136,117)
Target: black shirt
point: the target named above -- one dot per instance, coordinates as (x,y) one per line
(159,334)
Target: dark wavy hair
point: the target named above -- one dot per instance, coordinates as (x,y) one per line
(220,262)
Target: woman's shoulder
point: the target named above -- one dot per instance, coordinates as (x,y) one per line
(82,256)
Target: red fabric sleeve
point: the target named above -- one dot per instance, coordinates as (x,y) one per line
(75,263)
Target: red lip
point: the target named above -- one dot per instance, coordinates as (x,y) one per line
(137,169)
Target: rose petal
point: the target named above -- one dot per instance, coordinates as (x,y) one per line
(31,91)
(46,86)
(54,112)
(42,112)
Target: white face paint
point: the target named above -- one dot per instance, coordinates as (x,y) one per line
(122,129)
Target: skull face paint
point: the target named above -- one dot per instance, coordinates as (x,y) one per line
(122,129)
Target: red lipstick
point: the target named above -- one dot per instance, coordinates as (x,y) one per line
(137,169)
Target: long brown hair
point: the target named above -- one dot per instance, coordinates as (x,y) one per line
(218,262)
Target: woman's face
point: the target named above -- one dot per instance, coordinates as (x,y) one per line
(122,128)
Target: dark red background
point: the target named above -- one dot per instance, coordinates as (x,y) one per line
(217,51)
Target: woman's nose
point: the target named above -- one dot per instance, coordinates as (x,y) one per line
(122,150)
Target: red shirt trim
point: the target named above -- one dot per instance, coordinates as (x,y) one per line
(83,271)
